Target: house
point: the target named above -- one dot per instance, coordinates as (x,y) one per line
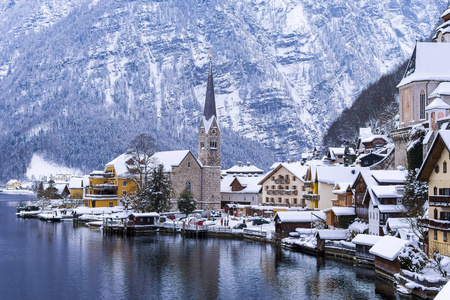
(144,219)
(386,252)
(284,185)
(342,206)
(369,159)
(76,187)
(435,170)
(370,178)
(13,184)
(385,202)
(288,221)
(363,244)
(240,190)
(320,182)
(369,142)
(337,155)
(422,82)
(244,170)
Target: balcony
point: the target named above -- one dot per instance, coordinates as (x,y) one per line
(439,201)
(436,224)
(102,175)
(282,192)
(282,181)
(100,197)
(104,187)
(308,184)
(311,197)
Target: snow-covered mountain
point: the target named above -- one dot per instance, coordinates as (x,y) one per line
(79,78)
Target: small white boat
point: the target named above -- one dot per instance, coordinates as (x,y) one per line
(95,224)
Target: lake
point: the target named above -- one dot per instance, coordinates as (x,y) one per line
(40,260)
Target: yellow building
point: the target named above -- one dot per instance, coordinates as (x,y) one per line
(76,187)
(118,180)
(435,170)
(13,184)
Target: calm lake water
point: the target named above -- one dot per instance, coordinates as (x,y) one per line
(41,260)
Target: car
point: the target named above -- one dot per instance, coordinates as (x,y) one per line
(240,226)
(172,217)
(260,222)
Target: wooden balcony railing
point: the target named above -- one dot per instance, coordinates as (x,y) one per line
(282,192)
(436,224)
(311,197)
(282,181)
(308,184)
(439,200)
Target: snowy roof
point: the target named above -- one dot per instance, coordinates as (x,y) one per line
(207,123)
(366,239)
(295,169)
(444,294)
(437,103)
(299,216)
(119,164)
(169,158)
(76,183)
(446,12)
(334,174)
(12,181)
(341,211)
(339,151)
(388,247)
(396,223)
(372,137)
(369,154)
(427,137)
(144,215)
(244,169)
(389,176)
(250,184)
(364,132)
(328,234)
(442,89)
(430,160)
(429,63)
(388,191)
(390,208)
(343,187)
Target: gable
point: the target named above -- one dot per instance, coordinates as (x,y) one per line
(441,142)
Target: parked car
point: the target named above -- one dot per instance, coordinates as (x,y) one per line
(260,222)
(240,226)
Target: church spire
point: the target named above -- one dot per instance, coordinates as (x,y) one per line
(210,101)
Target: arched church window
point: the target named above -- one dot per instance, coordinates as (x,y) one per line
(422,104)
(188,186)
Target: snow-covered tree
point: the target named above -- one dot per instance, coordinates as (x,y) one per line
(415,197)
(142,147)
(186,202)
(412,259)
(154,196)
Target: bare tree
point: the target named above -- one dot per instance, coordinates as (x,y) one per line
(142,147)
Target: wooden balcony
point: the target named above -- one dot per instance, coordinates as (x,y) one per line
(439,200)
(282,181)
(311,197)
(308,184)
(282,192)
(436,224)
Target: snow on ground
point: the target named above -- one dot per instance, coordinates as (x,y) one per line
(39,168)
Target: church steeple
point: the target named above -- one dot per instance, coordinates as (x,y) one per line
(210,101)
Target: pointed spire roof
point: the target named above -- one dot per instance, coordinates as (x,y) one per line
(210,101)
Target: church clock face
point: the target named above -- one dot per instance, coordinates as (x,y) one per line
(213,131)
(202,131)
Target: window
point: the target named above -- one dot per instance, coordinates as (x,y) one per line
(90,182)
(202,145)
(124,183)
(422,104)
(110,204)
(189,164)
(295,200)
(444,167)
(188,186)
(279,200)
(293,178)
(436,169)
(435,234)
(124,194)
(267,199)
(445,236)
(294,187)
(435,190)
(213,144)
(267,187)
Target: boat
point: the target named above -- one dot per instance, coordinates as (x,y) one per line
(28,214)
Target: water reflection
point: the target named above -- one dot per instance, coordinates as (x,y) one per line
(42,260)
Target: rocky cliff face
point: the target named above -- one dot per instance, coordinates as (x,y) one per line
(78,79)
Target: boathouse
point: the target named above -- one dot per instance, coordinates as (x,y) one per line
(363,244)
(386,252)
(288,221)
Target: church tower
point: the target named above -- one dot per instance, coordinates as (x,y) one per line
(209,131)
(209,149)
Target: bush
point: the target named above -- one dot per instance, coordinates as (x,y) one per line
(412,259)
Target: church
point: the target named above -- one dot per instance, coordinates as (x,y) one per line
(200,175)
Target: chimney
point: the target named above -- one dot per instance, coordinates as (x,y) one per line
(248,164)
(239,163)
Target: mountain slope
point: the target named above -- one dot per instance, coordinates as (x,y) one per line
(78,79)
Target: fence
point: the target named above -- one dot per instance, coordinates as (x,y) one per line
(255,233)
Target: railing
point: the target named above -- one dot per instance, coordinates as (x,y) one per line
(436,224)
(311,197)
(104,187)
(308,184)
(257,233)
(96,197)
(282,192)
(282,181)
(439,200)
(102,175)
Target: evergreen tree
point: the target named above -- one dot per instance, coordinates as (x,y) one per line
(40,190)
(154,196)
(186,202)
(414,199)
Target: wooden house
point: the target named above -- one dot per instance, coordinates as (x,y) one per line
(386,252)
(288,221)
(363,244)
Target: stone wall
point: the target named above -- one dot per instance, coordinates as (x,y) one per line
(401,138)
(210,188)
(188,171)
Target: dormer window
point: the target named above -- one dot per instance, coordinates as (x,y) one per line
(436,169)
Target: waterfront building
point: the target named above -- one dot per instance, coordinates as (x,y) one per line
(13,184)
(288,221)
(386,252)
(425,78)
(76,187)
(342,204)
(363,244)
(284,185)
(435,170)
(240,190)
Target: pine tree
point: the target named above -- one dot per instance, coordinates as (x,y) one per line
(154,196)
(187,203)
